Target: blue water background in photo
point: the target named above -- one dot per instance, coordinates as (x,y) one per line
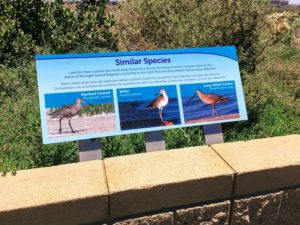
(196,109)
(133,108)
(92,97)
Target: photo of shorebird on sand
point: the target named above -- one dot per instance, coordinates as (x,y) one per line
(88,112)
(208,102)
(148,107)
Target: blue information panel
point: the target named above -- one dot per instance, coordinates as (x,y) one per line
(85,96)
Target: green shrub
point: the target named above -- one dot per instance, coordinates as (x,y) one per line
(15,45)
(20,129)
(161,24)
(122,145)
(271,97)
(29,27)
(85,28)
(184,137)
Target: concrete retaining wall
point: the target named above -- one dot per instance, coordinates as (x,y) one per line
(240,183)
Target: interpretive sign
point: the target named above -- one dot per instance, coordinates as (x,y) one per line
(85,96)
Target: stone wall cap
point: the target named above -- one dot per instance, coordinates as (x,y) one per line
(152,181)
(261,154)
(52,185)
(156,168)
(263,164)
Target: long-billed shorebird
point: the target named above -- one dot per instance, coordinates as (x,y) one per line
(160,102)
(68,111)
(210,99)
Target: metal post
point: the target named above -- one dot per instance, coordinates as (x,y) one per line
(213,134)
(90,150)
(154,141)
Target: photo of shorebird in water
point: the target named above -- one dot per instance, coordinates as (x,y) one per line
(159,103)
(210,99)
(208,102)
(79,113)
(147,107)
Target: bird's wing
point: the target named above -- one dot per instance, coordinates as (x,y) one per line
(154,103)
(64,111)
(218,98)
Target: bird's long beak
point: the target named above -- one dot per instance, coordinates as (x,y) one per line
(158,94)
(189,101)
(87,103)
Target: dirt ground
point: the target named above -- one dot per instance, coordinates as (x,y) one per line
(81,125)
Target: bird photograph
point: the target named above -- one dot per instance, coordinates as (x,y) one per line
(208,102)
(68,114)
(160,102)
(210,99)
(148,107)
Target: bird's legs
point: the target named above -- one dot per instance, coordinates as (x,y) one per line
(160,114)
(71,126)
(213,109)
(60,125)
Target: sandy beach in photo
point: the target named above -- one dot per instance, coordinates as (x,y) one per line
(216,118)
(82,125)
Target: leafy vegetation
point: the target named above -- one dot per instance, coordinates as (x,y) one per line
(33,26)
(271,97)
(161,24)
(270,67)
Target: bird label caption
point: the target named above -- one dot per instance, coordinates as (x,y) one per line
(85,96)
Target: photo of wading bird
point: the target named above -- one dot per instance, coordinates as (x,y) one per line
(160,102)
(210,99)
(68,111)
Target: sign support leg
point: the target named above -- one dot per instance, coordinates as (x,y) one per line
(90,149)
(155,141)
(213,134)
